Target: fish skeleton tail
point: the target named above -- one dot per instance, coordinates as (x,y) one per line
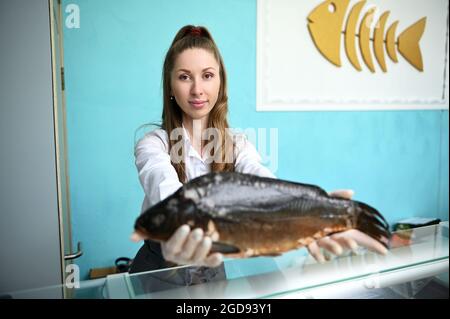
(372,223)
(408,43)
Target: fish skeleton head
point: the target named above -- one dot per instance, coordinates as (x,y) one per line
(325,26)
(160,221)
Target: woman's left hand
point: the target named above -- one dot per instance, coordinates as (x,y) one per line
(347,240)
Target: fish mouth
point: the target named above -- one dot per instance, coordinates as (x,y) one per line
(142,232)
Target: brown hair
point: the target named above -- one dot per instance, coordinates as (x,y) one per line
(197,37)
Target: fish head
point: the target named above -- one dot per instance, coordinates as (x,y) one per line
(325,24)
(160,221)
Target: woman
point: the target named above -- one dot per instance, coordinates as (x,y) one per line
(195,99)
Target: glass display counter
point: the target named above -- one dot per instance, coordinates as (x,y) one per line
(415,267)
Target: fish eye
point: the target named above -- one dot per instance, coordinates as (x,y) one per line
(332,7)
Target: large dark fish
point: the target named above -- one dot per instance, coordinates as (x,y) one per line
(256,216)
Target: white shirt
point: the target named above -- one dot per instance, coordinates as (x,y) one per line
(159,178)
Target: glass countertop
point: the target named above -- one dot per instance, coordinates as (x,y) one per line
(414,254)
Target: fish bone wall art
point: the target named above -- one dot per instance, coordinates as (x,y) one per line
(352,54)
(327,27)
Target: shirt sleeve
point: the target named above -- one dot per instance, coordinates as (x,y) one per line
(157,175)
(248,160)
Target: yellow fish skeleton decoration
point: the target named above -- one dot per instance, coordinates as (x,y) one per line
(325,24)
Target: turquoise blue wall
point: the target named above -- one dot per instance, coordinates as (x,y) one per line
(396,160)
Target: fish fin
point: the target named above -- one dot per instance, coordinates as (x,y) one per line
(220,247)
(372,223)
(408,43)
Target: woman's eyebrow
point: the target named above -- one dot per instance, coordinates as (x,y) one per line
(188,71)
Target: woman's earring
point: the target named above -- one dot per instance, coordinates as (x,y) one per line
(171,97)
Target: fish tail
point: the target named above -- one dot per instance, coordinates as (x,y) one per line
(408,43)
(372,223)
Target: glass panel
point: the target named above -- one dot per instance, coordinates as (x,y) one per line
(417,254)
(419,249)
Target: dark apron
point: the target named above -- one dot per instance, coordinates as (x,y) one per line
(150,257)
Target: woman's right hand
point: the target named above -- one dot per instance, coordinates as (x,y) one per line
(190,247)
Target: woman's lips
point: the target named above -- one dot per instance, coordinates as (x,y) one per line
(197,104)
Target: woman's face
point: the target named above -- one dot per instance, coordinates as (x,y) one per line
(195,82)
